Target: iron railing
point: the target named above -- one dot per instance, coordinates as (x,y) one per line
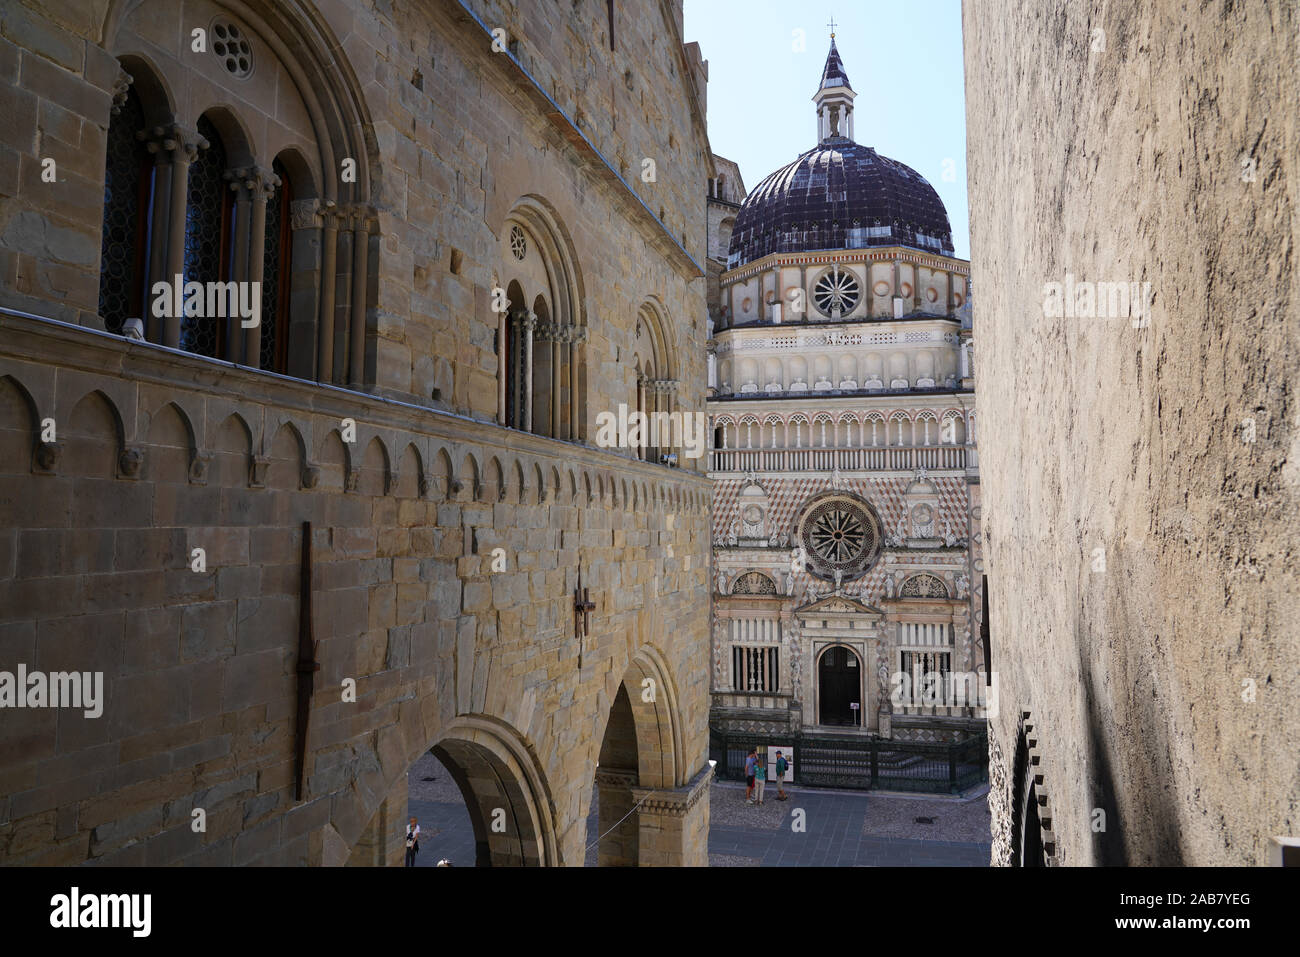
(862,763)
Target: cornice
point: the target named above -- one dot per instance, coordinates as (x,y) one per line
(825,257)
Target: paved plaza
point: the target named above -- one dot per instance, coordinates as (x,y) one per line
(840,828)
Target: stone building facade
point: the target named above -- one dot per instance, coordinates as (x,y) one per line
(1141,463)
(846,519)
(476,226)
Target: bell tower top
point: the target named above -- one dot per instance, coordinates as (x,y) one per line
(834,98)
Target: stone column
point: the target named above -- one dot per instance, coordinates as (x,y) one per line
(556,337)
(673,823)
(503,363)
(242,184)
(529,324)
(577,338)
(642,387)
(184,147)
(360,264)
(328,279)
(263,184)
(153,141)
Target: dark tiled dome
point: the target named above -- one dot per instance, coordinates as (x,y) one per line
(840,195)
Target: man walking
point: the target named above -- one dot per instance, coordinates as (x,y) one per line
(782,765)
(750,761)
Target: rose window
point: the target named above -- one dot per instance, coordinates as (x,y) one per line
(840,535)
(836,293)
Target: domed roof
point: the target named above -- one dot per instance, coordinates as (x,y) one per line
(840,195)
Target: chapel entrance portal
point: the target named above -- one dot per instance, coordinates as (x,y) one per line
(839,682)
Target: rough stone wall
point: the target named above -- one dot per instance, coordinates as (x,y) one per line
(1141,480)
(160,453)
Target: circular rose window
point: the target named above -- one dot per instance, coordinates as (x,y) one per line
(840,534)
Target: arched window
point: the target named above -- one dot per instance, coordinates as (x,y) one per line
(209,229)
(128,183)
(277,252)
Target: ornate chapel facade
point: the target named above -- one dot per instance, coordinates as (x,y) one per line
(846,521)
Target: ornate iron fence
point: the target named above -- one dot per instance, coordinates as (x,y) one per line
(862,763)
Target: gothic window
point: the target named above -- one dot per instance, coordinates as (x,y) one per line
(841,539)
(209,226)
(836,293)
(128,182)
(754,583)
(276,271)
(923,586)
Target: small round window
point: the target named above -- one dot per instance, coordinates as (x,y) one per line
(836,293)
(230,46)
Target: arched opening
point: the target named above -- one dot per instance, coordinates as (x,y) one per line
(839,683)
(487,803)
(277,268)
(513,355)
(209,230)
(128,189)
(638,760)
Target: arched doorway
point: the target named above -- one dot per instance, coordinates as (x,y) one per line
(839,684)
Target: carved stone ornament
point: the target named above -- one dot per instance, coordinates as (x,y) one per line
(130,462)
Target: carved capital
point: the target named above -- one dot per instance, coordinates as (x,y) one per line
(121,85)
(310,476)
(350,480)
(423,481)
(305,214)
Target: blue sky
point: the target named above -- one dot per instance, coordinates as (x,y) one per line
(903,57)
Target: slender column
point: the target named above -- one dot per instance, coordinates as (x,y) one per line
(328,279)
(503,363)
(184,148)
(360,263)
(530,323)
(263,187)
(642,449)
(242,184)
(157,266)
(576,341)
(555,384)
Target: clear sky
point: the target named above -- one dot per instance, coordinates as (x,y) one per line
(903,58)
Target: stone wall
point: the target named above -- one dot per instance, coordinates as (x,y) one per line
(1141,483)
(157,453)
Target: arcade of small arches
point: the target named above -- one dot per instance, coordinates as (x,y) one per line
(303,453)
(917,368)
(844,430)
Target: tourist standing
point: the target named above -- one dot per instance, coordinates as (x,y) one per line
(412,842)
(750,760)
(760,776)
(782,765)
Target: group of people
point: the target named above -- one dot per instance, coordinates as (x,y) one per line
(756,776)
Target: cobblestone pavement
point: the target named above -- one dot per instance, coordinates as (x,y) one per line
(842,828)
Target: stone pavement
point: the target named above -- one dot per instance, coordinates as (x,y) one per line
(843,828)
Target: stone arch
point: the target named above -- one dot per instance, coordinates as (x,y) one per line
(471,478)
(641,748)
(518,486)
(171,443)
(232,451)
(554,337)
(334,462)
(307,64)
(411,480)
(494,481)
(374,468)
(495,768)
(443,474)
(288,455)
